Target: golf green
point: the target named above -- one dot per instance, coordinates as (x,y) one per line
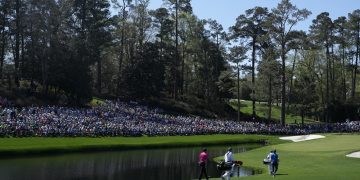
(315,159)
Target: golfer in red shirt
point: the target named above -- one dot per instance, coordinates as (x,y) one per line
(203,157)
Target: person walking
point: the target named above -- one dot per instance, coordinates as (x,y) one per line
(267,161)
(203,158)
(229,161)
(274,162)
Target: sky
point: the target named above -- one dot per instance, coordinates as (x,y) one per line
(226,11)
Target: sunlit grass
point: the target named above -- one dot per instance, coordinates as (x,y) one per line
(96,101)
(322,159)
(262,111)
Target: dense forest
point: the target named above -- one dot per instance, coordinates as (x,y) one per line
(120,48)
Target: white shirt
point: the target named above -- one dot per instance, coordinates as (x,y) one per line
(229,157)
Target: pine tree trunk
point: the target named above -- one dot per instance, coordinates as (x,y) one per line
(253,76)
(182,70)
(332,60)
(176,48)
(238,92)
(3,44)
(343,75)
(327,82)
(2,58)
(356,62)
(283,84)
(291,80)
(302,117)
(22,62)
(270,99)
(99,75)
(122,46)
(17,43)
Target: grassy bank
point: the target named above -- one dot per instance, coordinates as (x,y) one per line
(25,146)
(262,111)
(317,159)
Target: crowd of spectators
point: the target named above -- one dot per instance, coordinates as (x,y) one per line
(116,118)
(4,102)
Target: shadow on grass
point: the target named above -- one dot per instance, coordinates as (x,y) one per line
(282,174)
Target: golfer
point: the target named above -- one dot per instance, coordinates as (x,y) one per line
(203,158)
(274,162)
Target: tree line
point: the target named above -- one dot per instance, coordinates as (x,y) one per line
(81,48)
(313,73)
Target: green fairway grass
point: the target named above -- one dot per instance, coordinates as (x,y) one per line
(262,111)
(36,145)
(321,159)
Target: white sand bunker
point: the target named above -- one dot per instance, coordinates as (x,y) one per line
(354,155)
(302,138)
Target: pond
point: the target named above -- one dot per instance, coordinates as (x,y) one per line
(153,164)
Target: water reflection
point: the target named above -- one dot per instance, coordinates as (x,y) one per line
(158,164)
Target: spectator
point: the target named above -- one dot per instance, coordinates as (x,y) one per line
(116,118)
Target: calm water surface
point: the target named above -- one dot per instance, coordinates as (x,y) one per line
(155,164)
